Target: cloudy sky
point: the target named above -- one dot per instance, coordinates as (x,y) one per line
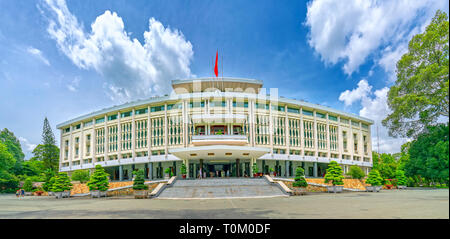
(62,59)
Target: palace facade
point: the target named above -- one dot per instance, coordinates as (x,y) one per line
(219,127)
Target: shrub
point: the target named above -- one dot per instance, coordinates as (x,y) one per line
(139,180)
(401,178)
(49,174)
(168,171)
(183,169)
(255,168)
(334,174)
(80,175)
(300,180)
(356,172)
(28,185)
(62,183)
(374,178)
(99,179)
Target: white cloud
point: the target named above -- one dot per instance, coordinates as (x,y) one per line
(29,147)
(73,85)
(374,106)
(38,54)
(350,31)
(131,69)
(350,96)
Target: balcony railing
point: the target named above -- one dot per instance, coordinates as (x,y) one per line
(219,139)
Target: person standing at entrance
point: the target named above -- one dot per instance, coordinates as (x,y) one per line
(200,173)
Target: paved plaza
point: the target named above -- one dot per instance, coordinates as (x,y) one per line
(385,204)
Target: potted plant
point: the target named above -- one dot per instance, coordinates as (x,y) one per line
(334,175)
(98,183)
(183,171)
(401,179)
(49,180)
(272,172)
(38,191)
(300,183)
(62,185)
(167,173)
(255,170)
(375,181)
(139,186)
(28,187)
(388,184)
(49,186)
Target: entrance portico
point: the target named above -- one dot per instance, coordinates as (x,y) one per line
(219,160)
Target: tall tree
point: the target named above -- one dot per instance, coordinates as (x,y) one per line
(13,146)
(49,151)
(429,155)
(420,95)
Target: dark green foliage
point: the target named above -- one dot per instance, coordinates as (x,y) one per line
(8,181)
(386,164)
(374,178)
(28,185)
(255,168)
(420,94)
(14,148)
(429,155)
(50,152)
(99,179)
(334,174)
(62,183)
(300,180)
(49,180)
(139,180)
(356,172)
(401,178)
(80,175)
(183,169)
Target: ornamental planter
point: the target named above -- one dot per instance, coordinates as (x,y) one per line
(373,188)
(401,186)
(28,193)
(38,193)
(102,193)
(298,191)
(95,193)
(166,176)
(66,194)
(184,176)
(140,194)
(51,193)
(58,194)
(335,189)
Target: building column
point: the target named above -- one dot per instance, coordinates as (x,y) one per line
(286,168)
(315,170)
(120,173)
(302,134)
(150,171)
(238,173)
(186,163)
(133,135)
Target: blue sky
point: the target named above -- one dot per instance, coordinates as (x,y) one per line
(97,54)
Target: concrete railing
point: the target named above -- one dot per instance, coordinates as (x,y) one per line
(160,188)
(279,184)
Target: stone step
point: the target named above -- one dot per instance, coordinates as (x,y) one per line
(221,188)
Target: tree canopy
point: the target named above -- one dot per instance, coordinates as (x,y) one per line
(420,97)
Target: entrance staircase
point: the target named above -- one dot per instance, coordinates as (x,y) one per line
(216,188)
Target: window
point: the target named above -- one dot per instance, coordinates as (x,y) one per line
(355,123)
(67,130)
(100,120)
(112,117)
(320,115)
(125,114)
(141,111)
(217,104)
(78,126)
(292,110)
(345,121)
(331,117)
(174,106)
(89,123)
(365,126)
(197,104)
(307,112)
(262,106)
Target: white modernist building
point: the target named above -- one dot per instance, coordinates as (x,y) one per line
(217,127)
